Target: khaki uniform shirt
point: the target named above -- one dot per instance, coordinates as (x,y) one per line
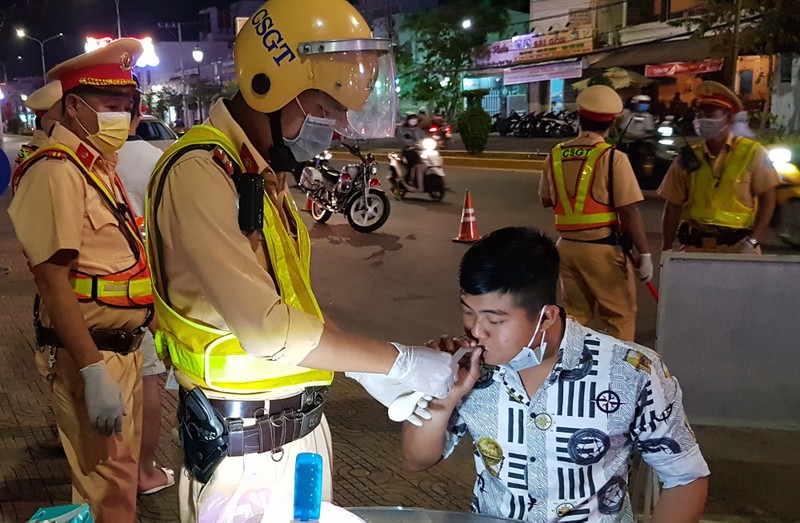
(215,274)
(626,188)
(55,208)
(759,178)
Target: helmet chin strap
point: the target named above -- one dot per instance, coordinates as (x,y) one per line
(280,156)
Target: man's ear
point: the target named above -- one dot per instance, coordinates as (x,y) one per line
(551,315)
(71,105)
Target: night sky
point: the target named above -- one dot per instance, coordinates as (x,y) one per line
(78,19)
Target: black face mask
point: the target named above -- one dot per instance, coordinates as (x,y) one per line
(280,156)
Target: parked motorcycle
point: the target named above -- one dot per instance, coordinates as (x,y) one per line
(355,191)
(425,152)
(787,213)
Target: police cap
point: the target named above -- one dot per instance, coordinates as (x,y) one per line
(599,103)
(44,98)
(714,93)
(109,67)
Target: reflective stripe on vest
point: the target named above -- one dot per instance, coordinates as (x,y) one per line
(582,212)
(129,288)
(214,358)
(713,201)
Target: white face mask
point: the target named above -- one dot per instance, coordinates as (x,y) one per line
(112,130)
(529,357)
(315,136)
(708,127)
(412,122)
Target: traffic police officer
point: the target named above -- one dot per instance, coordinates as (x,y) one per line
(231,257)
(45,103)
(71,215)
(723,194)
(590,202)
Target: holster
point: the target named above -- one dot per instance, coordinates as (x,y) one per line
(203,434)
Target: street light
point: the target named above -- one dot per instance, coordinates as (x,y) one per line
(22,34)
(466,24)
(197,54)
(5,72)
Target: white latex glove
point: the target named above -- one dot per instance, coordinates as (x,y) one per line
(747,248)
(386,390)
(645,269)
(425,370)
(103,399)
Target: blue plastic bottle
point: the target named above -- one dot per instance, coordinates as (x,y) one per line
(307,486)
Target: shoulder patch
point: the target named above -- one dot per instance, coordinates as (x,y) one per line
(223,160)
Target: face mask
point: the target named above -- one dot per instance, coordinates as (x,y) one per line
(708,127)
(112,130)
(529,357)
(315,136)
(642,108)
(413,122)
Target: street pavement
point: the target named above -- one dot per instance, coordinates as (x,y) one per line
(398,283)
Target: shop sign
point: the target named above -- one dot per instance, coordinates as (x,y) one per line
(539,73)
(706,66)
(536,47)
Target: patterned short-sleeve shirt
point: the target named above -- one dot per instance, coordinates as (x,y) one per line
(563,455)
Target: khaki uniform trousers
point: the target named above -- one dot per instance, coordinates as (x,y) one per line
(105,470)
(257,471)
(598,278)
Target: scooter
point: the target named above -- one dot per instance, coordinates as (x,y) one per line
(652,156)
(355,191)
(787,213)
(441,132)
(433,180)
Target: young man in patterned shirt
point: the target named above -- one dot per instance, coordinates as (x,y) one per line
(555,409)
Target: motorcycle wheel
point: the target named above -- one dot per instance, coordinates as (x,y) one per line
(436,188)
(789,223)
(370,213)
(320,213)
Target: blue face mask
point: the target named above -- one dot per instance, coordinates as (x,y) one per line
(642,108)
(527,356)
(315,136)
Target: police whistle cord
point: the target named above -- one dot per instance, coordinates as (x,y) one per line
(650,286)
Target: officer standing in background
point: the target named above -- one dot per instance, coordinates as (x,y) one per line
(723,195)
(231,256)
(72,217)
(590,203)
(46,105)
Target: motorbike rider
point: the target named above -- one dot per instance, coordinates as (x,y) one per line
(231,257)
(410,133)
(637,120)
(723,193)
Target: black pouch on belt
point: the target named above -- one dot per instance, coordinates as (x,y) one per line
(203,433)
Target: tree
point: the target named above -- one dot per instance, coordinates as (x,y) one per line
(767,27)
(161,101)
(431,65)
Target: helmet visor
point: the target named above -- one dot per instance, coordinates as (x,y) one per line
(359,75)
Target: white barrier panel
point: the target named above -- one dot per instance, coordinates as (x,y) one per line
(728,328)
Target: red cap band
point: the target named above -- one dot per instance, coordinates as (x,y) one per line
(598,117)
(103,75)
(719,100)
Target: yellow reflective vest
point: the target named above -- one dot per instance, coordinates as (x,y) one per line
(712,198)
(212,357)
(581,212)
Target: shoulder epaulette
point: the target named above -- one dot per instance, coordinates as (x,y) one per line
(223,160)
(55,153)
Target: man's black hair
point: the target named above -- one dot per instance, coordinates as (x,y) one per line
(593,125)
(519,261)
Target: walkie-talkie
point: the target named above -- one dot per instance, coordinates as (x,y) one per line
(250,187)
(689,160)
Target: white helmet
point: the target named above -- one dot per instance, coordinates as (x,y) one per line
(641,99)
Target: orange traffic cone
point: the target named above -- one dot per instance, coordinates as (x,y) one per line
(309,204)
(469,230)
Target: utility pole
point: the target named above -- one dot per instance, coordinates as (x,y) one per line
(119,25)
(735,51)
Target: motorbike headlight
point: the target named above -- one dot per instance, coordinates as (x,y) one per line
(374,168)
(665,131)
(327,156)
(429,144)
(666,141)
(780,155)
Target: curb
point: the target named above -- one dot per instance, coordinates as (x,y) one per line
(497,160)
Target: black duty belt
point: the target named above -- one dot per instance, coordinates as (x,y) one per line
(119,341)
(278,422)
(690,235)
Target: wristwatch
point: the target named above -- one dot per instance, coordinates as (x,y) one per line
(752,241)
